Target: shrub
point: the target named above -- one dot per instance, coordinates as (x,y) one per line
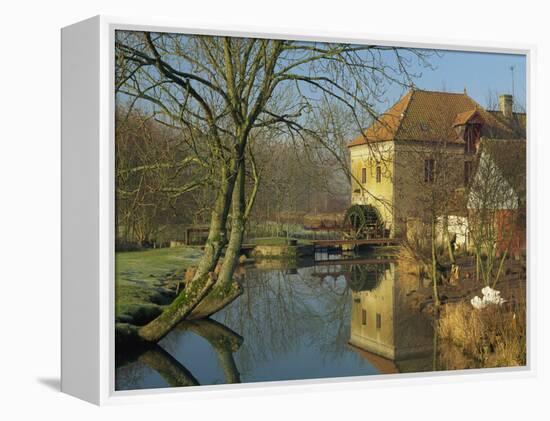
(495,336)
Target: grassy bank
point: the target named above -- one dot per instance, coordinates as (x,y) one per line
(494,336)
(146,280)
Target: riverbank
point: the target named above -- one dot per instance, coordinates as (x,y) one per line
(147,280)
(492,337)
(466,286)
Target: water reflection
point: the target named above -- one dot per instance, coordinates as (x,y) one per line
(175,374)
(385,323)
(341,318)
(143,367)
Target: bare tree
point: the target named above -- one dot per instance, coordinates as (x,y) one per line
(222,90)
(496,201)
(153,174)
(434,173)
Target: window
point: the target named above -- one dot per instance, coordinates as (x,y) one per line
(363,316)
(378,321)
(429,170)
(378,174)
(363,175)
(467,172)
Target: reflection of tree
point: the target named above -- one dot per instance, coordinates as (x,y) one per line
(268,299)
(170,369)
(279,310)
(222,339)
(366,277)
(337,314)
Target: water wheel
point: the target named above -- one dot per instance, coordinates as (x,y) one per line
(362,221)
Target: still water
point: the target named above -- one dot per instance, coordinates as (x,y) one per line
(308,322)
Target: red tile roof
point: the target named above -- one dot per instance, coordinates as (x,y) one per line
(463,118)
(387,124)
(430,116)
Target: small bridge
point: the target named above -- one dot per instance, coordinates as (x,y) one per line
(337,247)
(323,244)
(346,262)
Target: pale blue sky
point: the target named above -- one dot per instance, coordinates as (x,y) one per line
(479,73)
(483,75)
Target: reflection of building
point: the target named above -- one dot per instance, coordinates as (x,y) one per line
(384,323)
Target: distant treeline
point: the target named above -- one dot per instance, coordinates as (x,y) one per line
(159,191)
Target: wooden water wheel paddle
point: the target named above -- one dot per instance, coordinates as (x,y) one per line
(362,221)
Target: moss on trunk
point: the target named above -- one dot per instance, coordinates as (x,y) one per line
(219,297)
(178,310)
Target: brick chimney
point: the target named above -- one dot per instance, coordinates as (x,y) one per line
(506,103)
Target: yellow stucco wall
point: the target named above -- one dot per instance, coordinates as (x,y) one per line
(378,194)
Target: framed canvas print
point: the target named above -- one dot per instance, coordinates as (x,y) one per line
(245,208)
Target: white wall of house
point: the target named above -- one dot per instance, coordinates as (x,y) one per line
(490,189)
(457,226)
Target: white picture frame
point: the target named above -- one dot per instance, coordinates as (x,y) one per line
(88,214)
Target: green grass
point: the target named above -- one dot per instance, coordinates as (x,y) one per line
(146,280)
(143,279)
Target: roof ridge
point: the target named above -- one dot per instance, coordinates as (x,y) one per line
(430,115)
(514,112)
(428,91)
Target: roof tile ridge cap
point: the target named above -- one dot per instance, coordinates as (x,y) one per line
(428,91)
(403,114)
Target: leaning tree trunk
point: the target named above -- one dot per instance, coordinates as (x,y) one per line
(217,236)
(232,254)
(178,310)
(204,278)
(226,289)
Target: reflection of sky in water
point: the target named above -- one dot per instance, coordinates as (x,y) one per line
(304,362)
(294,326)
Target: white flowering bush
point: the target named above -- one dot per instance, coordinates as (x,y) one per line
(490,297)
